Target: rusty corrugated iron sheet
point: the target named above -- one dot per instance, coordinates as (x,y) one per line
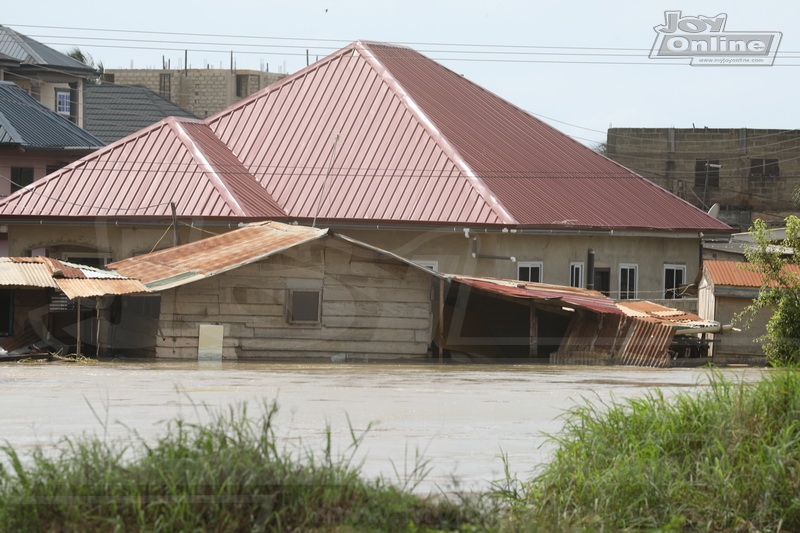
(76,281)
(615,339)
(646,344)
(25,274)
(556,294)
(653,312)
(193,261)
(90,288)
(732,273)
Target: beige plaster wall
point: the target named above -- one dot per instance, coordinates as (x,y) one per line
(450,248)
(454,253)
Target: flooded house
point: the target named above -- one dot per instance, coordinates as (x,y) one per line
(273,291)
(725,289)
(381,143)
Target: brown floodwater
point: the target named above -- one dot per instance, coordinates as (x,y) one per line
(461,418)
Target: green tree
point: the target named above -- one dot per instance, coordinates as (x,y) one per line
(87,59)
(780,289)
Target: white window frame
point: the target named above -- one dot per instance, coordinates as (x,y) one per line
(635,268)
(433,265)
(579,266)
(60,93)
(668,266)
(531,264)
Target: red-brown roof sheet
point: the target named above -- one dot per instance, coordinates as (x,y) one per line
(557,294)
(213,255)
(653,312)
(175,160)
(732,273)
(374,132)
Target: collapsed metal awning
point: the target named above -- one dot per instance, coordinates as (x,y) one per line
(75,281)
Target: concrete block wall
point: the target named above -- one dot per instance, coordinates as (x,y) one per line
(667,156)
(202,92)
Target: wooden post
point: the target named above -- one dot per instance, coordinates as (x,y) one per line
(78,346)
(176,238)
(97,318)
(534,347)
(441,321)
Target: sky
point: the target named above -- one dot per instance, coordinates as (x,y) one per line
(580,66)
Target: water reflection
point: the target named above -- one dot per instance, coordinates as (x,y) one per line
(462,418)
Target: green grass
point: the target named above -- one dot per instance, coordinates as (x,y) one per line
(224,475)
(726,458)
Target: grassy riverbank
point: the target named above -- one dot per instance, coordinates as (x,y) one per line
(722,457)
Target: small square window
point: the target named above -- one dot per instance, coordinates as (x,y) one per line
(303,306)
(63,102)
(21,177)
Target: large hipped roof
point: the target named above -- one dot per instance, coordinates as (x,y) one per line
(379,133)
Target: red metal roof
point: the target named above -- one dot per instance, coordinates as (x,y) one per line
(374,132)
(418,142)
(732,273)
(573,296)
(175,160)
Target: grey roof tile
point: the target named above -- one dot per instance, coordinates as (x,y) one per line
(26,122)
(112,112)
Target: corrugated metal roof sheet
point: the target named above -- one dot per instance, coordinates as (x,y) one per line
(112,112)
(33,274)
(92,287)
(26,50)
(581,298)
(731,273)
(190,262)
(76,281)
(28,123)
(654,312)
(417,143)
(175,160)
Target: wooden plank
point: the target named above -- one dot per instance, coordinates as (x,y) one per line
(257,310)
(339,334)
(382,309)
(335,346)
(370,322)
(340,293)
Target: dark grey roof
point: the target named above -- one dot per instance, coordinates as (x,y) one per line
(112,112)
(26,122)
(26,50)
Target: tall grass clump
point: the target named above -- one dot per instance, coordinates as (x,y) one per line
(726,458)
(226,474)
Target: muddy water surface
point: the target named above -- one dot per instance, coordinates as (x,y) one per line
(460,418)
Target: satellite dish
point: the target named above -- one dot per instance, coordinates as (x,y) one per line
(714,211)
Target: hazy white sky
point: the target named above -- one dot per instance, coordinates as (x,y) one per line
(582,65)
